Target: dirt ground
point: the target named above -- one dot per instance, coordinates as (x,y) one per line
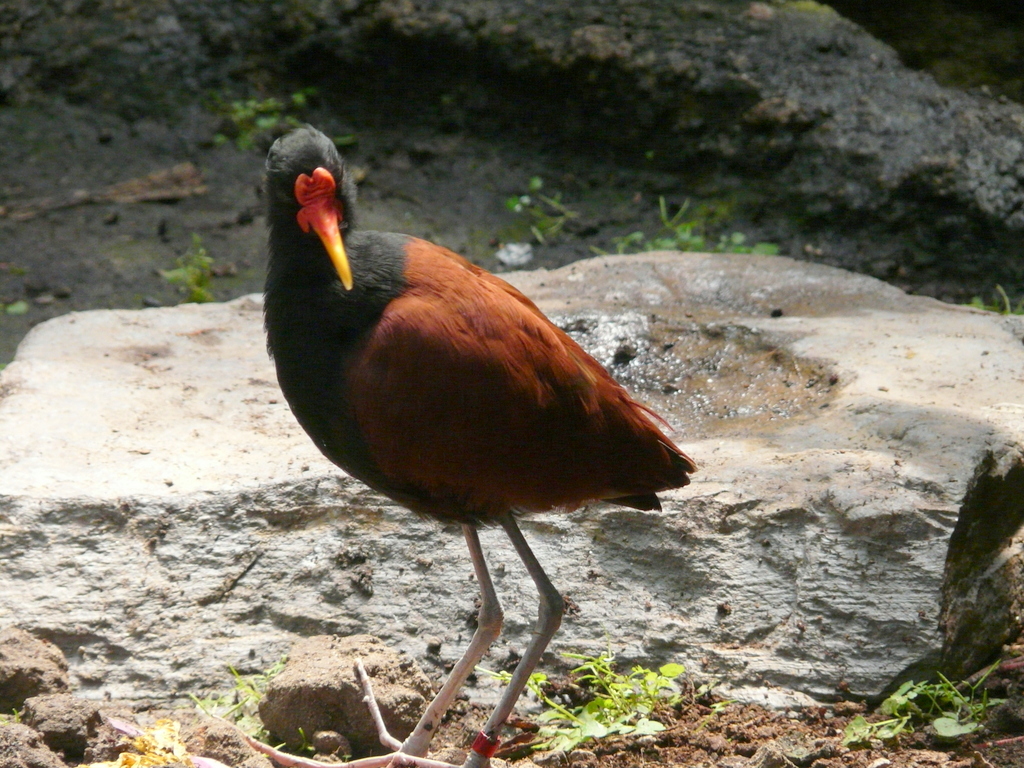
(449,188)
(705,731)
(54,728)
(697,736)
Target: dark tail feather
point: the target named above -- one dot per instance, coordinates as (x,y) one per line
(681,461)
(642,501)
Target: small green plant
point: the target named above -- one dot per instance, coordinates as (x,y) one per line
(241,705)
(679,233)
(248,118)
(1002,305)
(193,273)
(305,745)
(548,215)
(12,719)
(952,710)
(621,704)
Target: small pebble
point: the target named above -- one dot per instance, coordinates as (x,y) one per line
(224,270)
(331,743)
(35,286)
(760,11)
(624,354)
(515,254)
(552,759)
(583,757)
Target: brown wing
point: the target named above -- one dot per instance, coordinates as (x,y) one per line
(473,403)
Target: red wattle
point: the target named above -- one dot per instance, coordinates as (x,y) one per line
(310,189)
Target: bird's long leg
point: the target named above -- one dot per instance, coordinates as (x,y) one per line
(548,620)
(488,628)
(412,752)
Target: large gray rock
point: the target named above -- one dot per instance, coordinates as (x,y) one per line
(162,516)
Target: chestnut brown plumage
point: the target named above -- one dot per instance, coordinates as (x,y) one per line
(445,388)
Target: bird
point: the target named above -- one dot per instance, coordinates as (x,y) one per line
(446,389)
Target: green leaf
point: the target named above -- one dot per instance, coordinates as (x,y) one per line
(591,728)
(950,728)
(549,715)
(672,671)
(645,727)
(889,732)
(858,731)
(19,307)
(565,741)
(177,276)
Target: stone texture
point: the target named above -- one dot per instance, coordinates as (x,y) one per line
(21,747)
(28,666)
(847,152)
(319,690)
(217,739)
(983,589)
(65,721)
(164,517)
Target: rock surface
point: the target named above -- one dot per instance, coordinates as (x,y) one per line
(787,112)
(164,517)
(66,722)
(319,691)
(22,747)
(28,666)
(217,739)
(63,729)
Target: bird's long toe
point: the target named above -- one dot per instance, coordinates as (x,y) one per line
(370,700)
(391,760)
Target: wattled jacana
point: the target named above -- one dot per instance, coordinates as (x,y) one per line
(446,389)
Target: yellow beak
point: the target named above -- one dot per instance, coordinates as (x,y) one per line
(323,218)
(336,250)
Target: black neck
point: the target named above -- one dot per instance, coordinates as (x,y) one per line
(314,328)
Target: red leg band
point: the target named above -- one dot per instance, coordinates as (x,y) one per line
(484,745)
